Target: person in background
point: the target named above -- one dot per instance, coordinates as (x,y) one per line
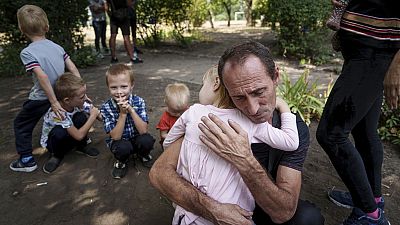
(97,9)
(177,97)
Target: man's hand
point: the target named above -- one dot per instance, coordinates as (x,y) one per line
(228,141)
(392,83)
(58,110)
(230,214)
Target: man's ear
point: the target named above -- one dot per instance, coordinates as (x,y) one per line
(217,83)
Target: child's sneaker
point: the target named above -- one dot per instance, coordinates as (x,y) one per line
(88,151)
(51,165)
(114,60)
(358,217)
(119,170)
(136,60)
(25,164)
(146,161)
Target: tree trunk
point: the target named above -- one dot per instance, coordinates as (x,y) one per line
(228,11)
(211,19)
(248,12)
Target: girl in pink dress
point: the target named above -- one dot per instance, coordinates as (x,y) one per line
(205,170)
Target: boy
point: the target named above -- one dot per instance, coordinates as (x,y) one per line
(177,97)
(62,135)
(46,61)
(125,120)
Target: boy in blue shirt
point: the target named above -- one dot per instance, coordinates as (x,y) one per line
(46,61)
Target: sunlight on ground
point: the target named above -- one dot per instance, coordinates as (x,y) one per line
(116,218)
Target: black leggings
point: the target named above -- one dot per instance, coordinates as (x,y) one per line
(353,107)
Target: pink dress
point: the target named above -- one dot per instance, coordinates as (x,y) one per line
(210,173)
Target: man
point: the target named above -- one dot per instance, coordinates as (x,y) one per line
(250,76)
(369,38)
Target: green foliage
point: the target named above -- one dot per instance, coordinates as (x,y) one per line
(66,18)
(11,64)
(198,12)
(84,57)
(300,27)
(389,125)
(302,96)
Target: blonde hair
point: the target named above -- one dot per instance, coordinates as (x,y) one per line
(67,85)
(177,93)
(32,20)
(119,69)
(223,99)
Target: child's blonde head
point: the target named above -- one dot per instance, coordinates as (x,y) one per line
(118,69)
(177,95)
(32,20)
(223,100)
(67,86)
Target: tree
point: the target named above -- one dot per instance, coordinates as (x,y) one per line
(227,5)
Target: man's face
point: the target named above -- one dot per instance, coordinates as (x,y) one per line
(120,87)
(251,89)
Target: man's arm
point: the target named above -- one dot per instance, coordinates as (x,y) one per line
(278,200)
(392,83)
(164,177)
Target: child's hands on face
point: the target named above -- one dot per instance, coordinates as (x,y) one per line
(281,105)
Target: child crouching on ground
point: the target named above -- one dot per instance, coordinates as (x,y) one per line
(177,96)
(125,120)
(60,136)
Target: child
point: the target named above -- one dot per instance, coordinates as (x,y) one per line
(97,8)
(177,97)
(208,172)
(62,135)
(125,120)
(46,61)
(338,10)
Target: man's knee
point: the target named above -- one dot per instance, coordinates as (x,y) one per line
(307,213)
(144,144)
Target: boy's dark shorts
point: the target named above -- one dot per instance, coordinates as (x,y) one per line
(125,27)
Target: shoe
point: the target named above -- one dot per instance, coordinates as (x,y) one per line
(136,60)
(136,49)
(51,165)
(358,217)
(88,151)
(343,199)
(119,170)
(114,60)
(28,166)
(146,161)
(99,55)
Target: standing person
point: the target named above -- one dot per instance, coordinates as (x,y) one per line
(97,8)
(133,24)
(60,136)
(119,18)
(205,170)
(125,120)
(250,76)
(177,97)
(46,61)
(369,37)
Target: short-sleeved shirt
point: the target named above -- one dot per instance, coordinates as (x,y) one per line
(110,113)
(166,122)
(50,120)
(47,55)
(97,16)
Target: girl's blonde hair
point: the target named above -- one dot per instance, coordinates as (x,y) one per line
(223,99)
(178,94)
(32,20)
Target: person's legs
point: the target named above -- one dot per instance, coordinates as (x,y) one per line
(97,34)
(121,149)
(353,97)
(79,119)
(103,30)
(126,32)
(306,214)
(143,144)
(114,32)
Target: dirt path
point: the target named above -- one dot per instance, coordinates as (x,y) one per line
(82,190)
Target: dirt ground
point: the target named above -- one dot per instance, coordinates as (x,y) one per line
(82,190)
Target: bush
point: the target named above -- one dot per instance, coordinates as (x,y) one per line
(66,18)
(389,125)
(300,27)
(302,97)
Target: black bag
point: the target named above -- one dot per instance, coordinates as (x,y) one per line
(120,15)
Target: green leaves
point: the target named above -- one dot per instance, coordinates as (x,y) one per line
(301,96)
